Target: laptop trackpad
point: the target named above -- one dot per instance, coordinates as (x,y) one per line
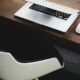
(42,18)
(48,20)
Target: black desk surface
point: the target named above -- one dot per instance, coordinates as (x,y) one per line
(67,43)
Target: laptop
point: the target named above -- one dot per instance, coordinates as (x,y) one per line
(49,14)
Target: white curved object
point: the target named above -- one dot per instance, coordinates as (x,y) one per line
(10,69)
(78,29)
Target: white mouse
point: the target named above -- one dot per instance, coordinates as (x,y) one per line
(78,29)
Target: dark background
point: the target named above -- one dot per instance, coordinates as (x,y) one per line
(13,38)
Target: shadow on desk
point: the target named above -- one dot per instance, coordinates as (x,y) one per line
(60,75)
(14,32)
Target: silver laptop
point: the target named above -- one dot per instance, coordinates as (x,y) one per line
(52,15)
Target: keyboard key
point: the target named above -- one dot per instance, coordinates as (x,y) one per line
(51,12)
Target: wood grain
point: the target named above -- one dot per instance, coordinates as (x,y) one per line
(9,7)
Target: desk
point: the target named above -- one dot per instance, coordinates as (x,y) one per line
(9,7)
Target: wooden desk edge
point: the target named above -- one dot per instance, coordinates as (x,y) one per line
(70,35)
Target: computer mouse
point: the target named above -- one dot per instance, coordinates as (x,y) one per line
(78,29)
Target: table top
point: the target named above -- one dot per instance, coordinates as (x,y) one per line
(9,7)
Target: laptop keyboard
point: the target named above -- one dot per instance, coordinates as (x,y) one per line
(51,12)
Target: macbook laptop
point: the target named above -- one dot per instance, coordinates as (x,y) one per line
(52,15)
